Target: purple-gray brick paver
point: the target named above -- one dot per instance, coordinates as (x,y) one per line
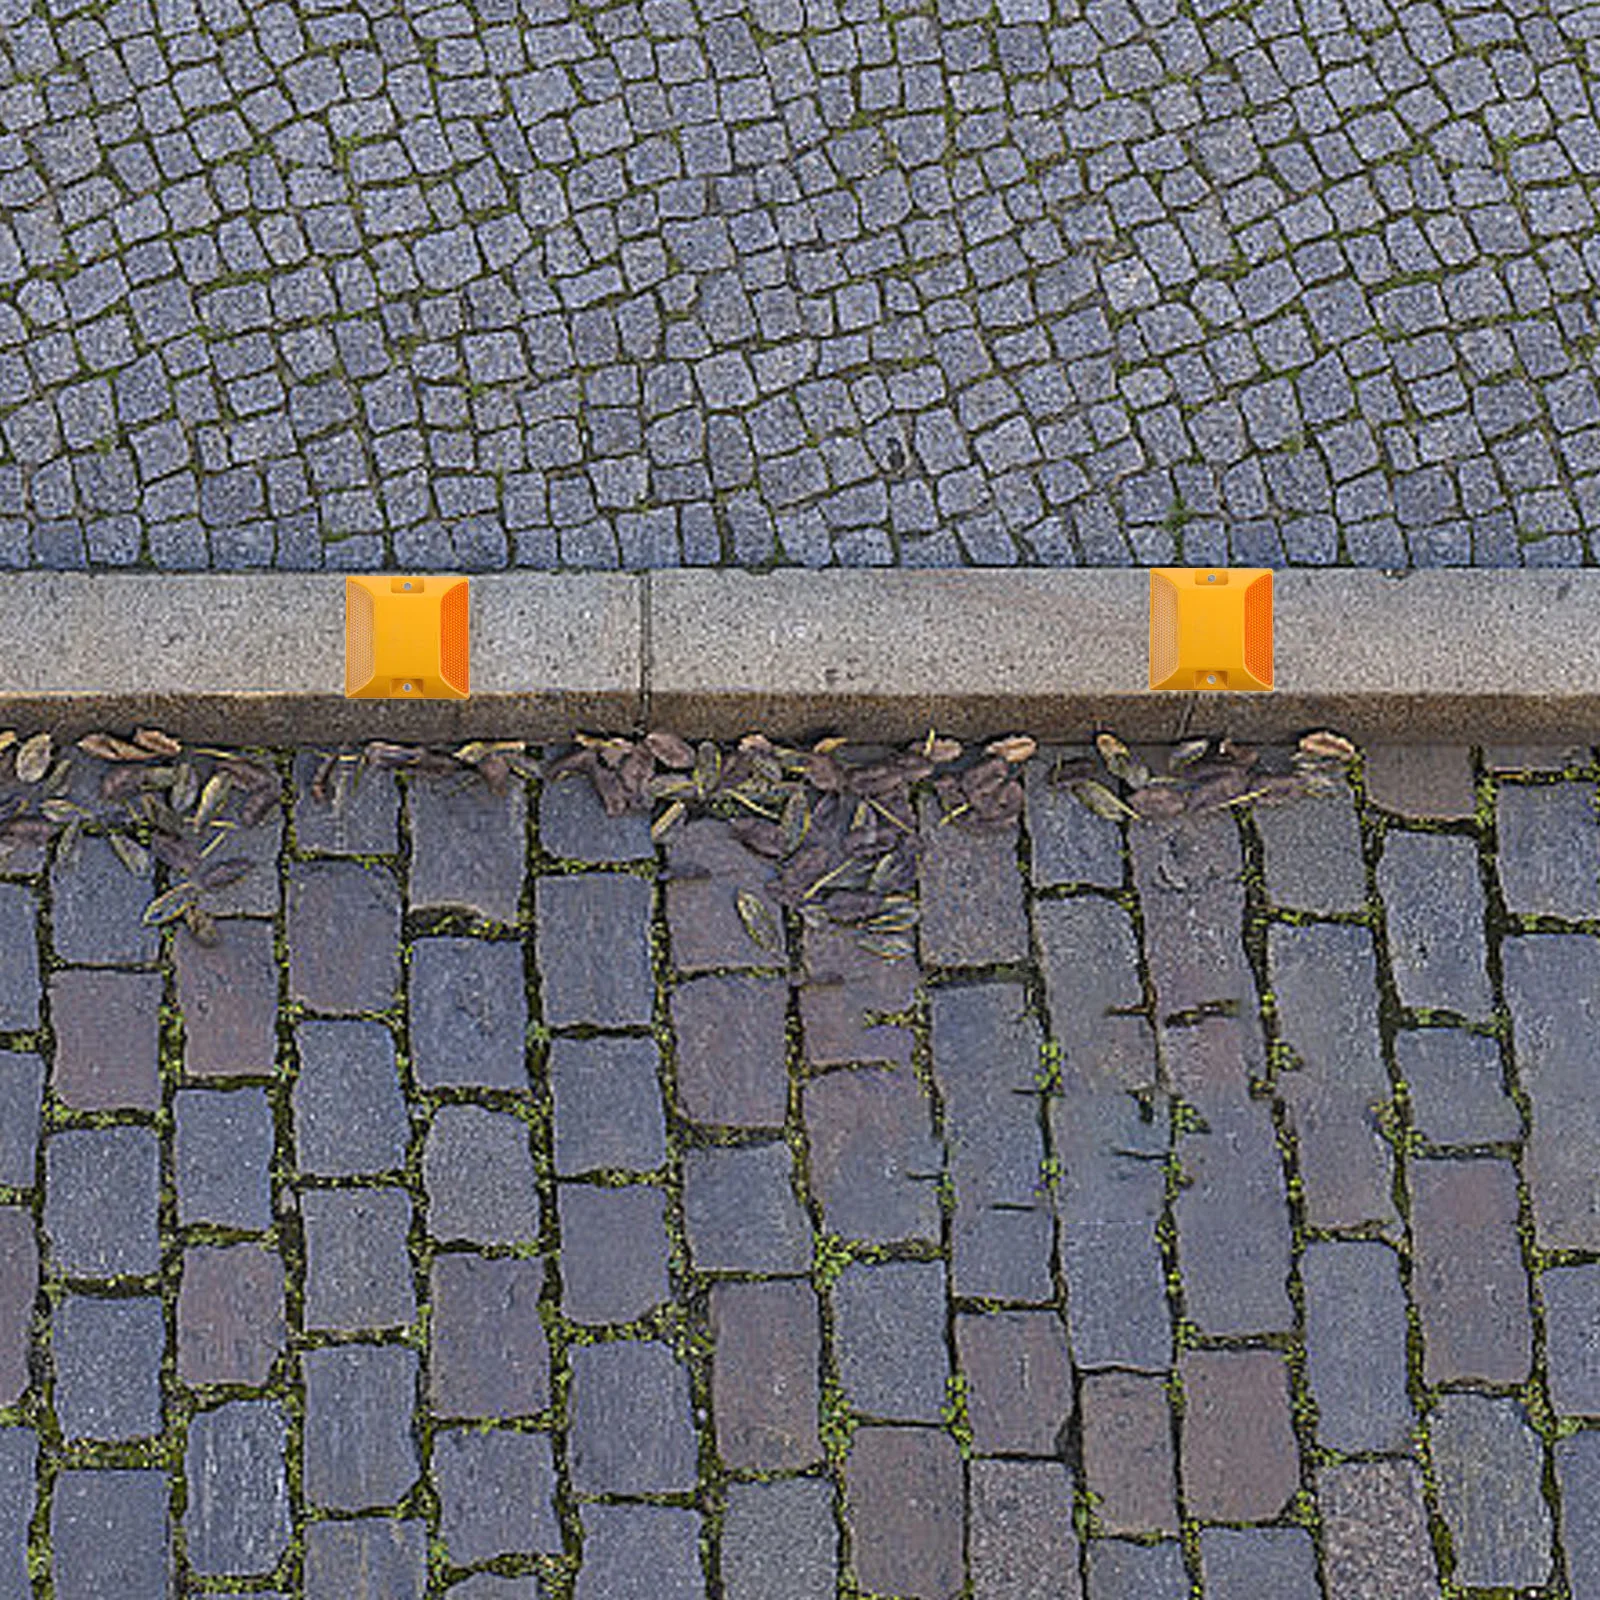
(579,1244)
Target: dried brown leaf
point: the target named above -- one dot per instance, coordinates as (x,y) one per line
(202,925)
(1327,746)
(1014,747)
(660,827)
(1156,804)
(1102,801)
(670,750)
(212,799)
(171,905)
(157,742)
(1186,754)
(33,757)
(131,854)
(108,748)
(760,921)
(888,947)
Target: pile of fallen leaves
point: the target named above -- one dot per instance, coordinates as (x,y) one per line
(1202,775)
(840,826)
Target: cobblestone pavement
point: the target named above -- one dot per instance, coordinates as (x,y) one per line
(1274,282)
(1207,1211)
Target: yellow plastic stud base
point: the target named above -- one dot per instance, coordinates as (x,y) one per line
(406,637)
(1210,628)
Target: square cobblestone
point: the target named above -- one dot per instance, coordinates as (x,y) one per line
(366,822)
(469,1014)
(707,869)
(97,909)
(779,1541)
(614,1252)
(1021,1545)
(19,959)
(889,1320)
(592,933)
(1572,1331)
(496,1495)
(468,846)
(358,1269)
(1434,904)
(21,1102)
(1549,849)
(19,1456)
(487,1351)
(350,1115)
(1119,1571)
(102,1189)
(573,826)
(1127,1452)
(229,996)
(231,1324)
(741,1213)
(1019,1381)
(477,1170)
(899,1486)
(107,1356)
(608,1110)
(1489,1463)
(1577,1462)
(109,1533)
(1375,1530)
(237,1519)
(1240,1563)
(360,1452)
(1240,1461)
(634,1552)
(631,1427)
(106,1039)
(1455,1083)
(375,1554)
(344,936)
(732,1067)
(222,1156)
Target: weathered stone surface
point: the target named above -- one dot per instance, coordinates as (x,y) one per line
(614,1252)
(360,1452)
(237,1518)
(640,1553)
(1356,1331)
(740,1210)
(889,1334)
(1578,1475)
(1127,1453)
(1312,854)
(358,1268)
(1552,987)
(1240,1564)
(1119,1571)
(109,1534)
(767,1342)
(608,1110)
(97,909)
(1549,849)
(1019,1381)
(573,826)
(592,935)
(1091,970)
(229,995)
(732,1066)
(1375,1541)
(467,847)
(779,1541)
(986,1060)
(19,1457)
(844,990)
(107,1356)
(223,1153)
(1468,1277)
(19,959)
(707,869)
(900,1484)
(366,821)
(21,1099)
(19,1283)
(1325,980)
(496,1494)
(1433,902)
(106,1049)
(1456,1086)
(1572,1338)
(344,935)
(1421,780)
(350,1115)
(1021,1544)
(1233,1221)
(973,913)
(1489,1463)
(102,1187)
(230,1314)
(478,1172)
(487,1355)
(873,1158)
(632,1430)
(369,1558)
(469,1014)
(1240,1461)
(1070,843)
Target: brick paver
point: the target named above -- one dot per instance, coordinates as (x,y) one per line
(1215,1237)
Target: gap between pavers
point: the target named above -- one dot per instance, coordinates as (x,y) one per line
(259,658)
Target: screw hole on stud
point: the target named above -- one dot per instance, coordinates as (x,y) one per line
(1211,677)
(408,586)
(405,688)
(1212,578)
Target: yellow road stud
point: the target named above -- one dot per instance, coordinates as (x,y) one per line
(405,637)
(1210,628)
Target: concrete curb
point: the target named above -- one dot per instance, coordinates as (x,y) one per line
(1425,655)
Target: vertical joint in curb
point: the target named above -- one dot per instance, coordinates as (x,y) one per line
(646,651)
